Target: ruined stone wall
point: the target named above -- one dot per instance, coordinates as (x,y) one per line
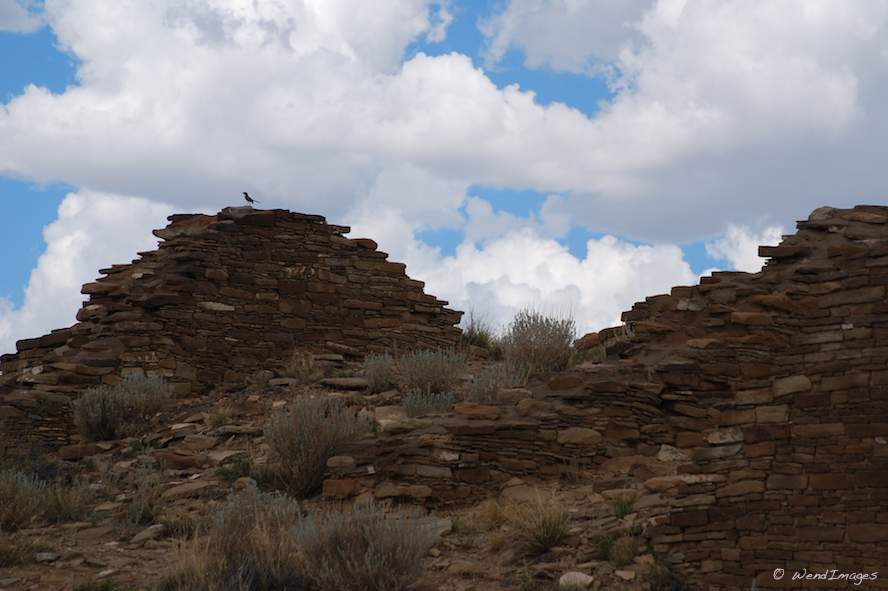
(769,390)
(221,298)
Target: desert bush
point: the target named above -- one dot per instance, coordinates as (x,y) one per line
(380,372)
(110,412)
(301,441)
(145,506)
(418,402)
(488,381)
(247,547)
(21,499)
(539,342)
(222,414)
(63,503)
(16,549)
(540,523)
(302,367)
(363,550)
(479,333)
(624,550)
(431,371)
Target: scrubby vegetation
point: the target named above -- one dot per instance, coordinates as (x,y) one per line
(247,546)
(26,499)
(431,371)
(540,523)
(418,402)
(302,440)
(479,333)
(539,342)
(380,372)
(363,549)
(490,379)
(110,412)
(302,367)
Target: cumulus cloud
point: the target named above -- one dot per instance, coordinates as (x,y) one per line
(739,246)
(19,16)
(724,112)
(577,36)
(93,231)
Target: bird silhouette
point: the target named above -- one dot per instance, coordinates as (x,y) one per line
(249,199)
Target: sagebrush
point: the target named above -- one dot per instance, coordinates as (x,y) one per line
(363,549)
(541,523)
(418,402)
(302,440)
(380,372)
(431,371)
(484,386)
(539,342)
(125,409)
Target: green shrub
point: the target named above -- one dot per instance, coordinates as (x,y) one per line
(301,441)
(431,371)
(363,550)
(110,412)
(380,372)
(417,402)
(538,342)
(21,499)
(489,380)
(540,523)
(623,505)
(247,547)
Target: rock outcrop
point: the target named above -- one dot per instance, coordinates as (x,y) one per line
(223,297)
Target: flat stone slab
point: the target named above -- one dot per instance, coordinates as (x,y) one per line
(346,383)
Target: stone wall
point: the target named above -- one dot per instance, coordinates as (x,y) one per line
(221,298)
(773,386)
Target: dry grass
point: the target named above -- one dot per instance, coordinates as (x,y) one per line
(111,412)
(431,371)
(247,547)
(479,333)
(538,342)
(489,380)
(16,549)
(362,550)
(222,414)
(302,440)
(302,367)
(418,403)
(21,499)
(380,372)
(624,550)
(145,506)
(540,524)
(63,503)
(623,505)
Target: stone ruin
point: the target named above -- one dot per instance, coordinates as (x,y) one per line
(769,389)
(222,297)
(767,392)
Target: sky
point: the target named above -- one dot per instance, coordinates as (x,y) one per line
(572,156)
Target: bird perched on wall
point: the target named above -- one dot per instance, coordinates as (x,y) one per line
(249,199)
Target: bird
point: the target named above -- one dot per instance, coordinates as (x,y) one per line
(249,199)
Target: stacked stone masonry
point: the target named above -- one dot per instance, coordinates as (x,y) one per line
(773,385)
(223,297)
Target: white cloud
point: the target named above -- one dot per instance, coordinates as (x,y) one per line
(19,16)
(739,246)
(92,231)
(727,112)
(571,35)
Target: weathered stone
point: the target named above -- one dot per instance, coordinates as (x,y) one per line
(473,410)
(575,580)
(579,436)
(791,385)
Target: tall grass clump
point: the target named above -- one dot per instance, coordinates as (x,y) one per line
(541,523)
(380,372)
(302,440)
(489,380)
(362,549)
(246,547)
(539,342)
(111,412)
(418,402)
(21,499)
(479,333)
(431,371)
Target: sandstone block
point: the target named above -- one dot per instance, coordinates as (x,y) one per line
(579,436)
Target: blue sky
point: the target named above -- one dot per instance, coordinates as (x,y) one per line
(35,58)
